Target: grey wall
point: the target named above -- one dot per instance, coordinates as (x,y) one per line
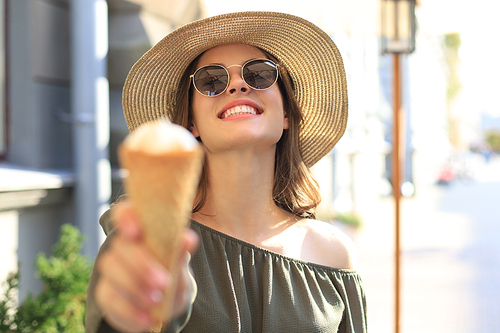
(39,127)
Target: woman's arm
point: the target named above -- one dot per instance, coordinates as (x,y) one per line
(128,281)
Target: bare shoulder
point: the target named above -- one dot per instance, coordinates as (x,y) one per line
(327,245)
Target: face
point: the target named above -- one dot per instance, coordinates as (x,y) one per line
(241,116)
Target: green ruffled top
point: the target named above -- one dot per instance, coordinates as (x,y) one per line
(245,288)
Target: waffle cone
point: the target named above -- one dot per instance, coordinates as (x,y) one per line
(162,188)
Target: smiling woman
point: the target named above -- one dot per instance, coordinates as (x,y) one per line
(265,121)
(246,85)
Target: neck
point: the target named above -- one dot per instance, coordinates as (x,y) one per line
(239,200)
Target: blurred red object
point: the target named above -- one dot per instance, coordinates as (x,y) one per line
(446,175)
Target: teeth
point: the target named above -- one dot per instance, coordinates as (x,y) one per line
(237,110)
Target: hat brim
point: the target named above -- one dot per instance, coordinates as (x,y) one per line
(308,53)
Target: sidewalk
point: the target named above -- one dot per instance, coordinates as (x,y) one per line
(451,257)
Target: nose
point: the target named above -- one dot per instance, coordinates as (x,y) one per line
(236,82)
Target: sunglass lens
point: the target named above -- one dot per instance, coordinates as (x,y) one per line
(260,74)
(211,80)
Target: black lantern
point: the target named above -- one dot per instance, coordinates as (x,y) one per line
(398,26)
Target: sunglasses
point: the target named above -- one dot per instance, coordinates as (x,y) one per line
(212,80)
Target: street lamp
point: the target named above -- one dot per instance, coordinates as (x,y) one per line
(398,26)
(398,37)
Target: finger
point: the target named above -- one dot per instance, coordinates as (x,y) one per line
(182,290)
(118,311)
(126,220)
(148,271)
(190,244)
(117,273)
(185,282)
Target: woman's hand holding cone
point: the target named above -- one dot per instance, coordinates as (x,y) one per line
(132,281)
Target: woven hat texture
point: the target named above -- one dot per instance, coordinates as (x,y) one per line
(308,53)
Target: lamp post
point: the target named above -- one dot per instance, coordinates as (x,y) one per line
(398,37)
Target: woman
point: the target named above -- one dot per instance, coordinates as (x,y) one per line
(265,93)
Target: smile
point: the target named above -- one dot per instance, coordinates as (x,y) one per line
(239,110)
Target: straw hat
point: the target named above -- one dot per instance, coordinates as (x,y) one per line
(307,52)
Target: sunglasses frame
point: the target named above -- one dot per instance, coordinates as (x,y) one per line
(229,77)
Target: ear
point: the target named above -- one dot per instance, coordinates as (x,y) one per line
(286,124)
(193,129)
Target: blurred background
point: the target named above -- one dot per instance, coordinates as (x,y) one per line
(62,68)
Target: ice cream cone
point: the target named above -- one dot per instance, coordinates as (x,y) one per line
(161,184)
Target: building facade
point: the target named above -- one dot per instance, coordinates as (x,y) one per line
(57,165)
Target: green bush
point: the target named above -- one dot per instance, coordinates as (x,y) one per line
(349,218)
(493,139)
(60,307)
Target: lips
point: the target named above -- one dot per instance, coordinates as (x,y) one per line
(239,107)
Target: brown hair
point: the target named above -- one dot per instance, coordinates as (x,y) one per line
(295,189)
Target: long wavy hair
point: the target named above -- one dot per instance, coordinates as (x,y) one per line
(295,189)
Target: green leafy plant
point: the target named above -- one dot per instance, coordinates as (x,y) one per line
(349,218)
(493,139)
(7,305)
(60,306)
(452,43)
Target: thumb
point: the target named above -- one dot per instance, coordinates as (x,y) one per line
(190,241)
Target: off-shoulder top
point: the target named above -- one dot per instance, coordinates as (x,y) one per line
(245,288)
